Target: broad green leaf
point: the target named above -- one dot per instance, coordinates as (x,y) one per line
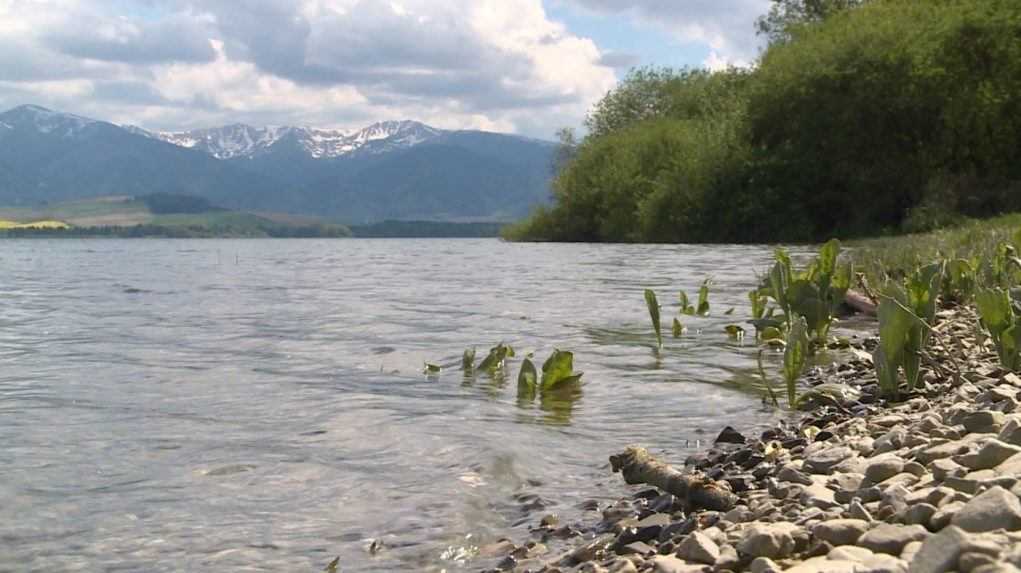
(558,369)
(678,328)
(758,303)
(703,298)
(771,333)
(734,331)
(685,303)
(994,309)
(432,368)
(527,379)
(496,358)
(795,357)
(886,373)
(653,304)
(828,262)
(779,281)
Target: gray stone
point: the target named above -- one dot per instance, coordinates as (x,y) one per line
(945,514)
(636,548)
(850,553)
(884,564)
(824,565)
(857,511)
(883,468)
(919,514)
(995,508)
(621,565)
(823,461)
(729,559)
(698,548)
(891,539)
(946,467)
(972,560)
(940,552)
(671,564)
(990,455)
(840,531)
(818,495)
(764,565)
(938,452)
(983,422)
(793,475)
(773,540)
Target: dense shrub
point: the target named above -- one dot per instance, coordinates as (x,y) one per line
(876,117)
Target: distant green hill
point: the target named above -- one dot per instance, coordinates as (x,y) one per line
(157,215)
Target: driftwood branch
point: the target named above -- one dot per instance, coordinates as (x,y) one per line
(638,466)
(860,303)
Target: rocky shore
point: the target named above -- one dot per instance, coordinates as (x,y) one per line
(927,484)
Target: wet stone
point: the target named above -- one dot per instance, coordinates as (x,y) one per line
(730,436)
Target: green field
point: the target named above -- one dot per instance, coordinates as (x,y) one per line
(145,217)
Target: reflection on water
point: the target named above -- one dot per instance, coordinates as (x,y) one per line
(262,406)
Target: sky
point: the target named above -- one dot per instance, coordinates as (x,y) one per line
(519,66)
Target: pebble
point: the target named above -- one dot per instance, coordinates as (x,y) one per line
(773,540)
(996,508)
(824,461)
(840,531)
(698,548)
(891,538)
(940,552)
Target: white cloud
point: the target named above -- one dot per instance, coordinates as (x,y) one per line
(727,28)
(495,64)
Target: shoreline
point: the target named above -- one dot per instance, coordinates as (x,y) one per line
(928,484)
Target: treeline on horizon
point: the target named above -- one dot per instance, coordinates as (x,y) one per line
(861,117)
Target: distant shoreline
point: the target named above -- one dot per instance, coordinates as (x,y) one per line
(383,230)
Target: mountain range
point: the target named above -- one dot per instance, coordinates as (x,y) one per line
(399,170)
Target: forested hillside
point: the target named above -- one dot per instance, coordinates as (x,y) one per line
(860,118)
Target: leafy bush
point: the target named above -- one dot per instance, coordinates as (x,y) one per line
(895,115)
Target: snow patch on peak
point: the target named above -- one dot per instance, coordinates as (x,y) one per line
(227,142)
(239,140)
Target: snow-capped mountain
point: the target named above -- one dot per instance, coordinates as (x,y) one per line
(390,170)
(44,120)
(239,140)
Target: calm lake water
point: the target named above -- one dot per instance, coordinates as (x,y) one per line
(200,405)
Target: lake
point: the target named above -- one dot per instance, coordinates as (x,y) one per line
(260,405)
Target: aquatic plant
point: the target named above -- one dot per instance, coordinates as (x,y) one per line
(959,280)
(558,370)
(702,308)
(900,342)
(703,298)
(468,360)
(653,304)
(527,379)
(678,329)
(734,331)
(999,318)
(815,293)
(795,357)
(496,358)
